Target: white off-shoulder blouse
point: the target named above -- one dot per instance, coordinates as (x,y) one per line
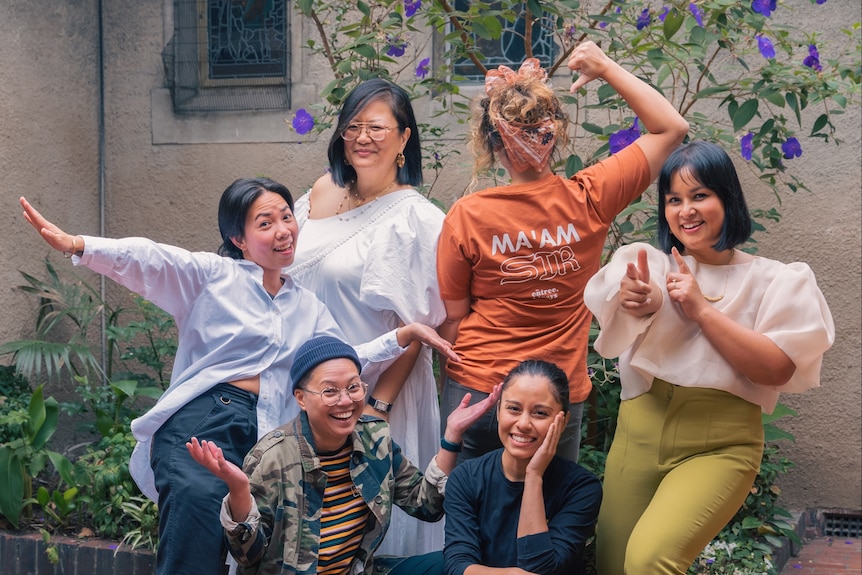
(781,301)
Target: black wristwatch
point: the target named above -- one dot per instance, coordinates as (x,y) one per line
(378,405)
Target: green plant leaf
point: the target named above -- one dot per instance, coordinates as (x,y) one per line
(63,466)
(672,22)
(44,424)
(744,114)
(12,479)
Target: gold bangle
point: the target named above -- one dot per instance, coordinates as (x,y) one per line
(74,248)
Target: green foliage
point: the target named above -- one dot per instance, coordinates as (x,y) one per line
(141,342)
(111,490)
(24,457)
(712,71)
(98,489)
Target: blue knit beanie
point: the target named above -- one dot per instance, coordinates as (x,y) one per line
(317,350)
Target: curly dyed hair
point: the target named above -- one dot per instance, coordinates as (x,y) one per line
(526,100)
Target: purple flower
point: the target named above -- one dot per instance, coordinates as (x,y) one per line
(746,146)
(302,122)
(791,148)
(621,139)
(396,45)
(644,19)
(410,7)
(423,68)
(765,7)
(764,44)
(697,13)
(603,24)
(570,33)
(813,59)
(663,14)
(821,1)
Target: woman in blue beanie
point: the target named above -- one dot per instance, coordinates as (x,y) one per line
(315,496)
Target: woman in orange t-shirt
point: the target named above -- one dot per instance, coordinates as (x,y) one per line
(512,261)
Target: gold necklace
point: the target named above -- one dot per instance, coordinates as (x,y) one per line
(713,299)
(360,200)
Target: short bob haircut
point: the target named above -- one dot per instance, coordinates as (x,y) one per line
(538,368)
(399,102)
(709,165)
(234,205)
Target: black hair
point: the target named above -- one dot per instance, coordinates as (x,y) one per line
(709,165)
(234,205)
(536,367)
(399,102)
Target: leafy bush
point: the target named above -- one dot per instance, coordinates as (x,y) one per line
(98,490)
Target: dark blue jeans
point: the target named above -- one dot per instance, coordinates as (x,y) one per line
(482,436)
(190,534)
(428,564)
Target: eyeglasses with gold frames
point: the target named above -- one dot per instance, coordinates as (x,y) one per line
(330,396)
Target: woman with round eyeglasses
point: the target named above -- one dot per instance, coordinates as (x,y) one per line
(315,496)
(368,251)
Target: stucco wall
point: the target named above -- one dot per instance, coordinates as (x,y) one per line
(168,191)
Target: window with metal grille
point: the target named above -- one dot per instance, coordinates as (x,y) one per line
(509,49)
(229,55)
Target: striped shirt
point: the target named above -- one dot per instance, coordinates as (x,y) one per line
(343,517)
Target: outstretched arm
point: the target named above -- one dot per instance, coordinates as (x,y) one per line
(666,126)
(52,234)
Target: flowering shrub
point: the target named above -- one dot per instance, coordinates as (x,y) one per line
(764,78)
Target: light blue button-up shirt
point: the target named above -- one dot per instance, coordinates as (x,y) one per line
(229,328)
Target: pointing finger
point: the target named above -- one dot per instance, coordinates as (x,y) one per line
(643,266)
(683,268)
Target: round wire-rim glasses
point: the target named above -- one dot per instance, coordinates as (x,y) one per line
(375,131)
(330,396)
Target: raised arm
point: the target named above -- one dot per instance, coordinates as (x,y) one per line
(666,126)
(51,233)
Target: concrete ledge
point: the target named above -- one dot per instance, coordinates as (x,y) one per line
(26,554)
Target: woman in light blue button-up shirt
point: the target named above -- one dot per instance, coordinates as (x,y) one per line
(240,321)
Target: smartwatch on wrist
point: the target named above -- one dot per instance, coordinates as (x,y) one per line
(379,405)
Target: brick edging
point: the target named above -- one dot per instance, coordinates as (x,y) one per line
(26,554)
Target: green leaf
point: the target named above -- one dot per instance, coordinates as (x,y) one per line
(363,7)
(366,51)
(535,8)
(710,91)
(12,480)
(751,523)
(305,6)
(794,105)
(574,164)
(744,114)
(63,466)
(672,23)
(592,128)
(781,410)
(42,496)
(126,387)
(819,123)
(775,98)
(48,414)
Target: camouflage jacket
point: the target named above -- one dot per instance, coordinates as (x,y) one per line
(287,485)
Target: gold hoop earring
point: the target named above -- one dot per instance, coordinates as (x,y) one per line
(399,160)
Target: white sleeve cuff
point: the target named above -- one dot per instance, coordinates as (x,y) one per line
(251,522)
(435,476)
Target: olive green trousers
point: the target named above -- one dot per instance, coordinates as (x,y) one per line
(681,464)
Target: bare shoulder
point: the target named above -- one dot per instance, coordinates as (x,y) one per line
(326,197)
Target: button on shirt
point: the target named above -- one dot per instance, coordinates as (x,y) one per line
(229,328)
